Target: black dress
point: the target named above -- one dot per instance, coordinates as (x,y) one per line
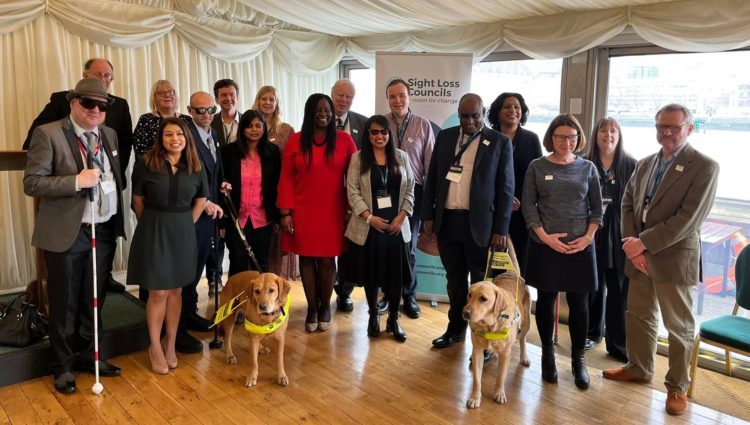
(164,253)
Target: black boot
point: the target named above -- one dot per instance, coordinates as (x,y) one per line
(373,326)
(393,326)
(580,373)
(549,370)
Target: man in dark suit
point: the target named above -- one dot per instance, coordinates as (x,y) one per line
(468,197)
(342,94)
(225,124)
(73,167)
(201,109)
(118,119)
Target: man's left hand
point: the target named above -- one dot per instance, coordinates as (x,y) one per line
(226,185)
(213,210)
(632,246)
(500,242)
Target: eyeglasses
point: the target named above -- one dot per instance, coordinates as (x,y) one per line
(200,111)
(564,138)
(100,76)
(661,128)
(89,103)
(165,93)
(375,131)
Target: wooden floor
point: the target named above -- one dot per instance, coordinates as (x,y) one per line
(341,376)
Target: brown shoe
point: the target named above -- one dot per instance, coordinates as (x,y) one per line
(676,402)
(622,374)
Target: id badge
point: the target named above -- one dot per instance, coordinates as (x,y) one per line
(108,183)
(645,214)
(384,202)
(454,174)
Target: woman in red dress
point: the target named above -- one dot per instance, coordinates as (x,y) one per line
(312,201)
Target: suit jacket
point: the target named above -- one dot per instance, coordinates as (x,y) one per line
(671,232)
(270,173)
(218,125)
(491,189)
(118,118)
(357,128)
(214,169)
(359,193)
(52,163)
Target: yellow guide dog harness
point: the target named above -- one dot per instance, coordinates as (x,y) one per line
(270,327)
(499,261)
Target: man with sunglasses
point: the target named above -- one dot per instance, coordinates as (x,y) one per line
(202,109)
(665,202)
(118,118)
(73,168)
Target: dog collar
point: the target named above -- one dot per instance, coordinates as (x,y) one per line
(270,327)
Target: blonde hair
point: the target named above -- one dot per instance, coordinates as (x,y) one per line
(274,121)
(155,88)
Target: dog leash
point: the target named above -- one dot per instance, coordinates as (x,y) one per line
(270,327)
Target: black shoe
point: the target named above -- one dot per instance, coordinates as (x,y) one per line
(394,327)
(411,308)
(344,303)
(549,369)
(487,357)
(620,357)
(114,286)
(383,305)
(447,339)
(580,374)
(194,322)
(186,343)
(373,326)
(65,382)
(590,344)
(106,369)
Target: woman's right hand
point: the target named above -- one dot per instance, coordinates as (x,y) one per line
(516,204)
(553,241)
(287,224)
(379,224)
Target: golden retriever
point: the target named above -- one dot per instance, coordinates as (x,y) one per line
(496,322)
(266,295)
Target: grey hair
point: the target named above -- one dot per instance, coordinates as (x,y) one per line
(675,107)
(344,82)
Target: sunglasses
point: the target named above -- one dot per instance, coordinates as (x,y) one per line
(89,103)
(375,131)
(200,111)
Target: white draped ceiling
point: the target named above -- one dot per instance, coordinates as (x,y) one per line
(294,45)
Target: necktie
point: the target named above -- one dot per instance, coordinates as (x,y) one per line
(91,141)
(211,147)
(339,123)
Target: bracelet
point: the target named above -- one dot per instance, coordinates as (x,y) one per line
(368,219)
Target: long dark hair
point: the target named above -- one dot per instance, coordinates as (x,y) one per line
(308,128)
(367,157)
(155,157)
(494,115)
(264,149)
(621,173)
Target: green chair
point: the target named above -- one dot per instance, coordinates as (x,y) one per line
(732,333)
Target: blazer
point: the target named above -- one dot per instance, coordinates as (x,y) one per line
(491,188)
(671,232)
(270,172)
(357,128)
(214,169)
(359,192)
(118,118)
(526,148)
(52,163)
(218,125)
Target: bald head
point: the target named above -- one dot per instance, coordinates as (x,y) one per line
(99,68)
(202,109)
(471,113)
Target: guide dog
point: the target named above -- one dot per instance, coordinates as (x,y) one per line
(266,318)
(496,321)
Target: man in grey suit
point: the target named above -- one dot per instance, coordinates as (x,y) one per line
(342,94)
(664,205)
(73,167)
(468,196)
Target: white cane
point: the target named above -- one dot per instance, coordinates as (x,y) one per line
(98,387)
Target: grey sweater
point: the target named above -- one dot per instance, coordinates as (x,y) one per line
(562,198)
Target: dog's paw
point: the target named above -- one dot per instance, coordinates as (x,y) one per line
(525,361)
(282,380)
(251,381)
(231,360)
(264,350)
(500,397)
(474,403)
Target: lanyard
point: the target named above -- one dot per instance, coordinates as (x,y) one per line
(660,168)
(86,152)
(400,128)
(457,158)
(383,177)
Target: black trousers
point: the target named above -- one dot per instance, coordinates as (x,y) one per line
(596,311)
(70,292)
(214,266)
(616,306)
(461,258)
(260,242)
(204,233)
(578,317)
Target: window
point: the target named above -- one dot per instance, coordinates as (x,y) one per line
(364,99)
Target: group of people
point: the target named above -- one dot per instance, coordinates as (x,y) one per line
(586,219)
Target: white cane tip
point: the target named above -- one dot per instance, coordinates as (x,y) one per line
(97,388)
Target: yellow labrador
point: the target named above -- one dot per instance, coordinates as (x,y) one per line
(496,321)
(266,312)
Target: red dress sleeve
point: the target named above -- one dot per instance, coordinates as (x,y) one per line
(288,173)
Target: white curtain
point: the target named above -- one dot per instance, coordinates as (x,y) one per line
(294,45)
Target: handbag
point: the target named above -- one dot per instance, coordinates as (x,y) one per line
(21,323)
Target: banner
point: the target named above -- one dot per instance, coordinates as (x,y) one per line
(437,82)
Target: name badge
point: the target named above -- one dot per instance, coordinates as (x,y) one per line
(384,202)
(114,153)
(486,142)
(549,177)
(355,131)
(454,174)
(645,214)
(107,184)
(411,140)
(679,168)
